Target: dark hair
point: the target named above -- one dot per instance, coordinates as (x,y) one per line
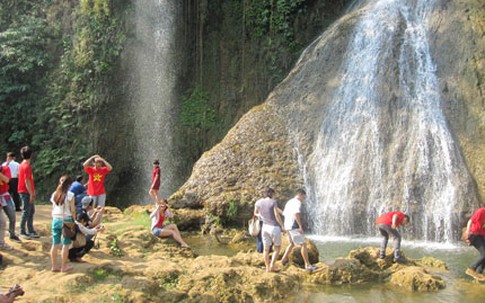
(11,154)
(79,178)
(26,152)
(269,192)
(407,217)
(82,216)
(156,162)
(61,190)
(301,191)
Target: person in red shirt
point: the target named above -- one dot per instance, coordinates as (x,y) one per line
(6,201)
(158,228)
(97,173)
(475,235)
(387,225)
(154,188)
(26,190)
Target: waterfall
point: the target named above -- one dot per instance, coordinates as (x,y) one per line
(154,70)
(384,143)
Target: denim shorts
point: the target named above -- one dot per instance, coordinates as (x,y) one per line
(157,231)
(57,232)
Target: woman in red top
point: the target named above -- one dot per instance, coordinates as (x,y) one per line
(475,234)
(387,225)
(153,192)
(159,229)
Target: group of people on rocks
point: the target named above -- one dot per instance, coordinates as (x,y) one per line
(270,237)
(83,204)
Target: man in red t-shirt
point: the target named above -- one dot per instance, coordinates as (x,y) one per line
(97,173)
(26,190)
(387,225)
(475,233)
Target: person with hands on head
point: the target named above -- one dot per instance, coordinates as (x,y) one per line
(387,224)
(475,236)
(97,174)
(294,228)
(158,216)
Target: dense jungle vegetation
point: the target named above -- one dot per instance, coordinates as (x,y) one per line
(57,58)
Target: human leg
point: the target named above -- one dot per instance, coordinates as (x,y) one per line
(479,243)
(396,243)
(56,242)
(277,245)
(24,198)
(10,212)
(30,221)
(154,195)
(2,229)
(384,230)
(99,200)
(13,185)
(172,231)
(288,249)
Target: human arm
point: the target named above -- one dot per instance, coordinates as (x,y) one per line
(30,188)
(4,178)
(85,230)
(467,233)
(72,206)
(278,216)
(96,216)
(395,218)
(108,166)
(298,221)
(88,161)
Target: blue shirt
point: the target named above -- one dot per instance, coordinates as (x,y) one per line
(77,188)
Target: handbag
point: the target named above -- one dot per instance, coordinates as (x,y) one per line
(254,227)
(68,229)
(79,240)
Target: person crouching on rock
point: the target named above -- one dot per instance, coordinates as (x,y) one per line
(387,225)
(159,230)
(63,209)
(475,235)
(80,248)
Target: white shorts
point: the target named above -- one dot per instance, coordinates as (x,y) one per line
(271,235)
(296,237)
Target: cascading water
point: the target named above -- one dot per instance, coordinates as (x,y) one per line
(384,143)
(154,70)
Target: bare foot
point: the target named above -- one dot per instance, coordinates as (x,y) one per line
(55,269)
(66,268)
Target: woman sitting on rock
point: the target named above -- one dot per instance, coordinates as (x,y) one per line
(158,229)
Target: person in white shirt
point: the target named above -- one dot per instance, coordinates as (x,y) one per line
(63,210)
(294,228)
(14,179)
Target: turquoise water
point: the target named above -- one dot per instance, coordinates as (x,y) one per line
(459,287)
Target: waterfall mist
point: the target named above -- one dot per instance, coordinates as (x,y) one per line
(383,142)
(153,68)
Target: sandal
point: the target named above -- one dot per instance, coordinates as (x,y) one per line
(55,269)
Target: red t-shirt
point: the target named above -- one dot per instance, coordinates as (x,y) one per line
(161,219)
(156,175)
(387,218)
(25,174)
(478,222)
(4,185)
(96,180)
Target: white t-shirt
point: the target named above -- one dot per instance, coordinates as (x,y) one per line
(292,208)
(66,207)
(14,168)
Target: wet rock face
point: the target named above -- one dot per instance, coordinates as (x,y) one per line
(253,155)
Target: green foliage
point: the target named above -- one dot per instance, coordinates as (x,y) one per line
(168,281)
(232,209)
(114,248)
(197,111)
